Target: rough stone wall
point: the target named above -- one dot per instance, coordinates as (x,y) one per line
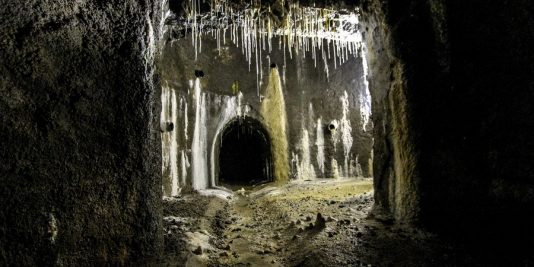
(80,162)
(395,165)
(303,85)
(467,77)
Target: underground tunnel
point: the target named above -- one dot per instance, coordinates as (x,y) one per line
(266,133)
(245,153)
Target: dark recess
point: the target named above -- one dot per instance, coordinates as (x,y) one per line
(245,156)
(469,84)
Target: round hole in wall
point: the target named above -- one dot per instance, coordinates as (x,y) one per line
(199,73)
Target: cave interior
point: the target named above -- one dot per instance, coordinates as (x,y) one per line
(267,133)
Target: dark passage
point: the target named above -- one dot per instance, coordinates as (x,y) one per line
(245,155)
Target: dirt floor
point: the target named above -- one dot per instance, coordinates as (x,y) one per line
(323,222)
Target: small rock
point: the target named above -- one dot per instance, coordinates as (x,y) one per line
(320,221)
(223,254)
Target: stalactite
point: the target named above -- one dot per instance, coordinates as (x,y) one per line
(304,29)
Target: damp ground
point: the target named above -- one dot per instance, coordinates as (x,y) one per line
(323,222)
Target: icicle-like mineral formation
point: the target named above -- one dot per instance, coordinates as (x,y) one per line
(335,168)
(365,95)
(346,131)
(311,120)
(185,166)
(185,121)
(295,164)
(326,33)
(165,136)
(305,169)
(273,110)
(198,147)
(334,134)
(169,149)
(320,146)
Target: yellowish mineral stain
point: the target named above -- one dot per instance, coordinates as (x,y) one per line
(273,110)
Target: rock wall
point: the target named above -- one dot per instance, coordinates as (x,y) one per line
(465,70)
(80,146)
(80,167)
(395,165)
(310,93)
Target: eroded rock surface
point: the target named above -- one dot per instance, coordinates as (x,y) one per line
(78,137)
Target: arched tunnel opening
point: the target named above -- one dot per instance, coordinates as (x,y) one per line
(245,156)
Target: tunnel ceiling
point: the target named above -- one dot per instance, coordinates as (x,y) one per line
(176,6)
(276,8)
(316,21)
(326,32)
